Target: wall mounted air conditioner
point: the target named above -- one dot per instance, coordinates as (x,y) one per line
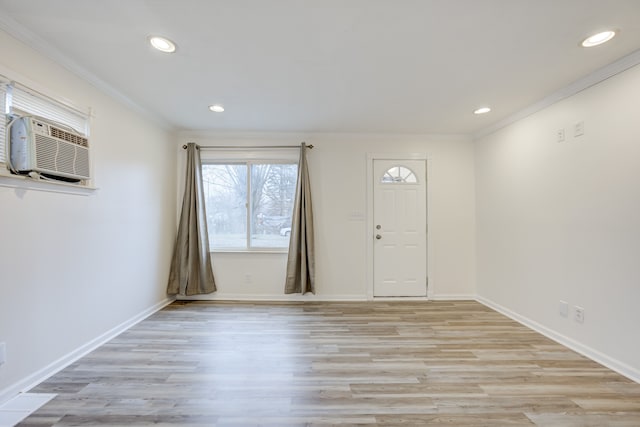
(50,149)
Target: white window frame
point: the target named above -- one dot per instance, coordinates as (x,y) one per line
(402,180)
(23,100)
(4,83)
(248,158)
(36,102)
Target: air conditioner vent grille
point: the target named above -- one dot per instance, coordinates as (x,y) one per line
(66,158)
(61,158)
(46,153)
(39,146)
(82,162)
(69,137)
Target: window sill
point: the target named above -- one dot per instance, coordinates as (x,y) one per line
(25,182)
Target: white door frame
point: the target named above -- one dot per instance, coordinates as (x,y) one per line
(370,226)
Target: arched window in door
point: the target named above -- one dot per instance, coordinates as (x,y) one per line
(399,175)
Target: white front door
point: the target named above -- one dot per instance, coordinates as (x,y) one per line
(400,228)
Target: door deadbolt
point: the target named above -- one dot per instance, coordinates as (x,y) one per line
(378,227)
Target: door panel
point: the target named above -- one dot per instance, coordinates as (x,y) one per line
(400,242)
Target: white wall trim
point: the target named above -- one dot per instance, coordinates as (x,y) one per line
(41,375)
(321,298)
(25,182)
(43,47)
(393,299)
(452,297)
(592,79)
(611,363)
(275,298)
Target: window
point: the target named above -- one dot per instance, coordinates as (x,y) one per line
(59,149)
(25,101)
(16,99)
(399,175)
(249,204)
(3,123)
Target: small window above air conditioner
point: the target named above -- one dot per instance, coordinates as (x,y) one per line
(43,137)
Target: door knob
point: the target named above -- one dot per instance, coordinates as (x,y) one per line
(378,236)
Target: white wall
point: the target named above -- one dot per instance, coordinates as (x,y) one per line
(338,168)
(561,221)
(73,267)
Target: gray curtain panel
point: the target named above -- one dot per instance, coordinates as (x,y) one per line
(301,268)
(191,272)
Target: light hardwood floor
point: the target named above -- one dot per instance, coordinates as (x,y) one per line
(314,364)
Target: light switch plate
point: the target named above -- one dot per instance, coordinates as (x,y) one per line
(3,352)
(563,308)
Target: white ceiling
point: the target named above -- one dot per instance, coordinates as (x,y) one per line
(396,66)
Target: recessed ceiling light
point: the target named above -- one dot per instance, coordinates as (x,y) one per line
(216,108)
(598,39)
(162,44)
(482,110)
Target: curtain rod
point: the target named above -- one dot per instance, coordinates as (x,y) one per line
(244,147)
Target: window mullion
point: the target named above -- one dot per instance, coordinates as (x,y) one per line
(249,208)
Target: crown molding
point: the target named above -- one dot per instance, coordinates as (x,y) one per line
(592,79)
(24,35)
(39,44)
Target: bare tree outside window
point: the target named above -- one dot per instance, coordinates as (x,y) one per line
(261,193)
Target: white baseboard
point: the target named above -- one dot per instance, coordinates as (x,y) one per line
(320,298)
(611,363)
(36,378)
(387,299)
(452,297)
(272,297)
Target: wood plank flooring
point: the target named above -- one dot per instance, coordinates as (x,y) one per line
(320,364)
